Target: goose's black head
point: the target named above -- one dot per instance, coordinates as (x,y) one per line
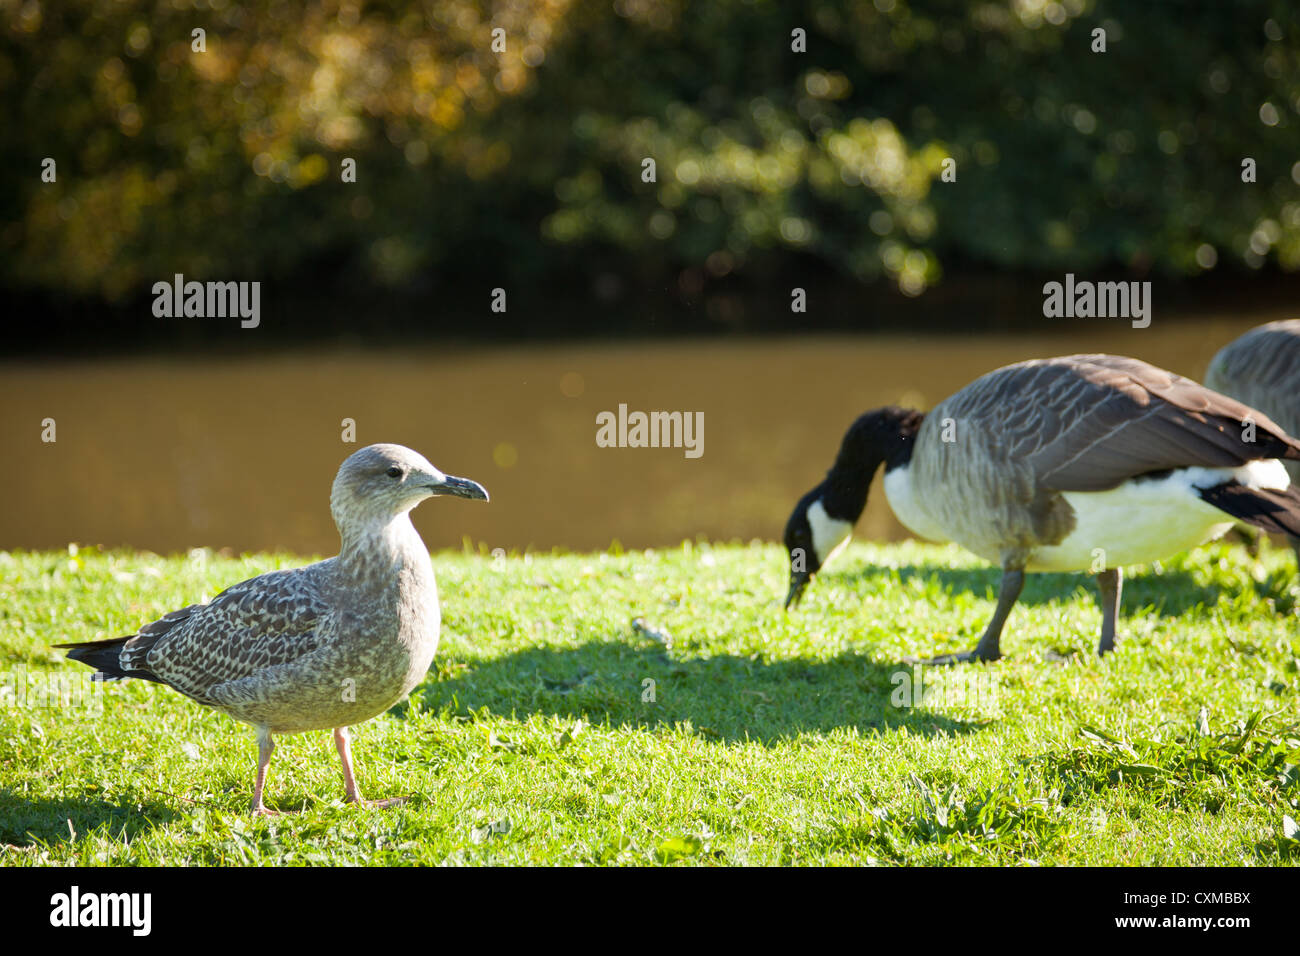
(808,539)
(822,522)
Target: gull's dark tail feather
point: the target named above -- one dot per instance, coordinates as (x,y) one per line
(105,657)
(1277,512)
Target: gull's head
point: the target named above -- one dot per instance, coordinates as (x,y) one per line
(383,481)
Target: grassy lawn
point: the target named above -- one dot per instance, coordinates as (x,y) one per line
(770,738)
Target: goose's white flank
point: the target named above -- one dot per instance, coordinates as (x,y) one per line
(324,646)
(1065,464)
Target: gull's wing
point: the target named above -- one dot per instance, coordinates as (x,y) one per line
(275,618)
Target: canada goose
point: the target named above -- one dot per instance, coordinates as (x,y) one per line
(1262,369)
(328,645)
(1061,464)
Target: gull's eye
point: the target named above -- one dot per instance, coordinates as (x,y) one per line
(394,472)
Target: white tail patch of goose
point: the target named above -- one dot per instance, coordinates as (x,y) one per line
(1144,520)
(1267,473)
(829,535)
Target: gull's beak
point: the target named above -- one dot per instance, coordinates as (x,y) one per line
(460,487)
(798,581)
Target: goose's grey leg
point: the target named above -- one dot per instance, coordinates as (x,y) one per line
(343,740)
(1110,584)
(1013,579)
(265,746)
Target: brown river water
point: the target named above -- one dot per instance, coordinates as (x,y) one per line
(166,454)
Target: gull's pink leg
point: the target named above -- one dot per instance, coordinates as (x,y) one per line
(265,745)
(343,740)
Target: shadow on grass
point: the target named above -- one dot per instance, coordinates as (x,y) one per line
(1277,850)
(725,697)
(1282,587)
(1171,594)
(24,820)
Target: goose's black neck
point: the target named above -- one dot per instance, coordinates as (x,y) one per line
(886,436)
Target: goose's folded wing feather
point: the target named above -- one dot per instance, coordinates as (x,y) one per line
(1105,419)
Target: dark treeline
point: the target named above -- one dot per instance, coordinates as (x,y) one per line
(226,155)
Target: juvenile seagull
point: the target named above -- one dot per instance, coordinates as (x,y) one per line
(328,645)
(1061,464)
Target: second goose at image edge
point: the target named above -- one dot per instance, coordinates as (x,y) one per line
(1262,369)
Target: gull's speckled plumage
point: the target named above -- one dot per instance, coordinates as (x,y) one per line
(325,646)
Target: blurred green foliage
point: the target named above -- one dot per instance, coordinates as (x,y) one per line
(526,165)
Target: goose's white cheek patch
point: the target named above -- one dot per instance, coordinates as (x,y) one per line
(829,534)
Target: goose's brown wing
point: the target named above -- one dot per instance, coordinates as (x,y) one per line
(1091,422)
